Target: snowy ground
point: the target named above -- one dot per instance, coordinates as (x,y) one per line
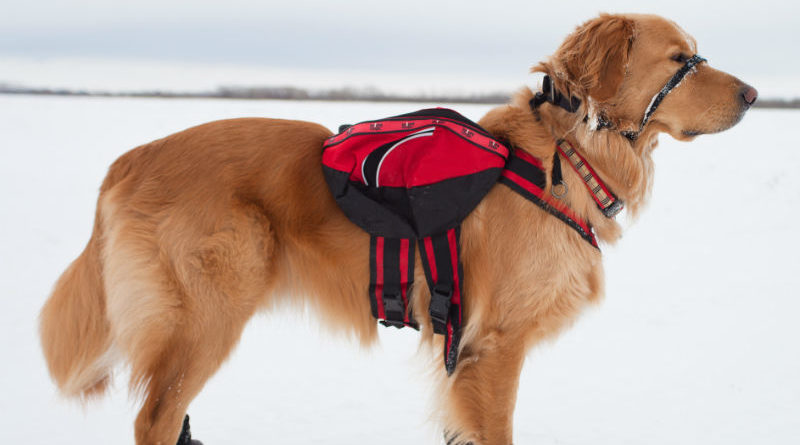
(696,343)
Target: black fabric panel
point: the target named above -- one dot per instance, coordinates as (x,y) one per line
(443,205)
(397,212)
(373,159)
(527,170)
(367,209)
(393,199)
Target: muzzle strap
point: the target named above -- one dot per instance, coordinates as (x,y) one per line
(666,89)
(550,94)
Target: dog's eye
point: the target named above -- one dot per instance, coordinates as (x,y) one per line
(681,57)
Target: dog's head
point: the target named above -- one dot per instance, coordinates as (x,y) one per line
(616,64)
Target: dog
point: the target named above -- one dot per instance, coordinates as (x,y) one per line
(196,232)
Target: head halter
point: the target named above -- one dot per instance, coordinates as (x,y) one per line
(550,94)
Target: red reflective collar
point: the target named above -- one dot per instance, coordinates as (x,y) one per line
(606,201)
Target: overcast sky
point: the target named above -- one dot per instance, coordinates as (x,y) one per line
(481,39)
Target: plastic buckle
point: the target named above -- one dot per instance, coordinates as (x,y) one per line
(394,309)
(614,209)
(392,324)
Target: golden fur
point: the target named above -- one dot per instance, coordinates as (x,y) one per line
(196,232)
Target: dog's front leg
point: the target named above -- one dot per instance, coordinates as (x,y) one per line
(483,391)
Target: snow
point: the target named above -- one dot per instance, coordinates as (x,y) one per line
(696,341)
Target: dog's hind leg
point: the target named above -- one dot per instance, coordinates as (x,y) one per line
(200,293)
(482,396)
(177,375)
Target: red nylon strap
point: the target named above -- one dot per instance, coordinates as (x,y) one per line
(391,278)
(606,201)
(445,275)
(526,178)
(394,126)
(406,275)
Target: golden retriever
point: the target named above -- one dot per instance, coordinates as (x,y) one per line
(196,232)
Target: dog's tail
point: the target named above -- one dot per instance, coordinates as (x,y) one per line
(74,328)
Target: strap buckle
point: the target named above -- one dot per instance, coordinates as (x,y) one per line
(392,324)
(440,306)
(612,210)
(394,309)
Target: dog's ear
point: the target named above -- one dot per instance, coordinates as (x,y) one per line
(593,59)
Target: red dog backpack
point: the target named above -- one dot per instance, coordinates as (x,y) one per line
(410,180)
(407,180)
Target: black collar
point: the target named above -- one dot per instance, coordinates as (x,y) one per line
(550,94)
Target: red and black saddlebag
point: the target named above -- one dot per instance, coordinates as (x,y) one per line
(408,180)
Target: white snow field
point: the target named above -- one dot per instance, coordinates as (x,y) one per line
(697,341)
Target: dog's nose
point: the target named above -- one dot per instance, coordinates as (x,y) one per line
(749,94)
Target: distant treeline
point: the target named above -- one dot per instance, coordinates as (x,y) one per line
(282,93)
(335,94)
(778,103)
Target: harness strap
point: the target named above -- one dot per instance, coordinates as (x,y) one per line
(445,276)
(391,271)
(558,187)
(608,203)
(524,174)
(676,79)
